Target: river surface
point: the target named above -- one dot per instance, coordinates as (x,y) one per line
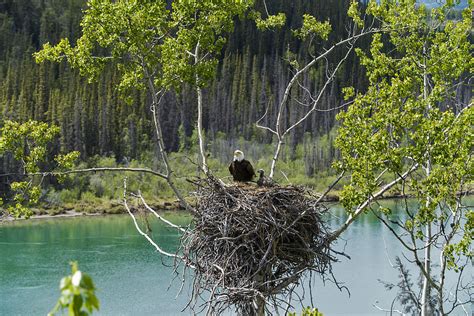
(132,279)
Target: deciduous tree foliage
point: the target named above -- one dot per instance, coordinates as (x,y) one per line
(28,143)
(412,118)
(153,47)
(147,39)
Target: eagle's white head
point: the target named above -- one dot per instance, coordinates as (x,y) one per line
(238,155)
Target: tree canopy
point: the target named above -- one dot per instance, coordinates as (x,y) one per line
(413,121)
(150,40)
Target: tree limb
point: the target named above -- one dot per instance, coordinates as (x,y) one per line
(369,200)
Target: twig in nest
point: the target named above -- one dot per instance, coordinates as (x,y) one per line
(250,245)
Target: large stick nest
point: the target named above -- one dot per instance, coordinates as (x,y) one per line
(251,244)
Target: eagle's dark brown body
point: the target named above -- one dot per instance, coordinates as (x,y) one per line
(241,170)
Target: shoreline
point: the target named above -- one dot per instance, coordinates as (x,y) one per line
(66,214)
(67,211)
(171,206)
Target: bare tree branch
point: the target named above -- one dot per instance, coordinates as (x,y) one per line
(369,200)
(158,248)
(158,216)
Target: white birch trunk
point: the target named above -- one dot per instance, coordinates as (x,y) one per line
(426,292)
(202,150)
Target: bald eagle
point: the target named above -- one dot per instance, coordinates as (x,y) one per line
(240,168)
(264,181)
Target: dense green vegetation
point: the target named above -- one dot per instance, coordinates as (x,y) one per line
(103,191)
(406,129)
(95,120)
(411,123)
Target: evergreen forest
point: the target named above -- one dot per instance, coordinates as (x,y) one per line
(95,120)
(108,129)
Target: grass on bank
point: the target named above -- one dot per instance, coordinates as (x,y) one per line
(102,192)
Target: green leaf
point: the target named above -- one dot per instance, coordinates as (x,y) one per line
(271,22)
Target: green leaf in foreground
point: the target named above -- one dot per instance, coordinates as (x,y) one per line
(77,294)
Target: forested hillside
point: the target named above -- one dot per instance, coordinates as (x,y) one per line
(96,121)
(252,74)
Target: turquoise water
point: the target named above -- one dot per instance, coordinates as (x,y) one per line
(129,275)
(132,279)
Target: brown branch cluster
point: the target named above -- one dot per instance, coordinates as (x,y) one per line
(250,245)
